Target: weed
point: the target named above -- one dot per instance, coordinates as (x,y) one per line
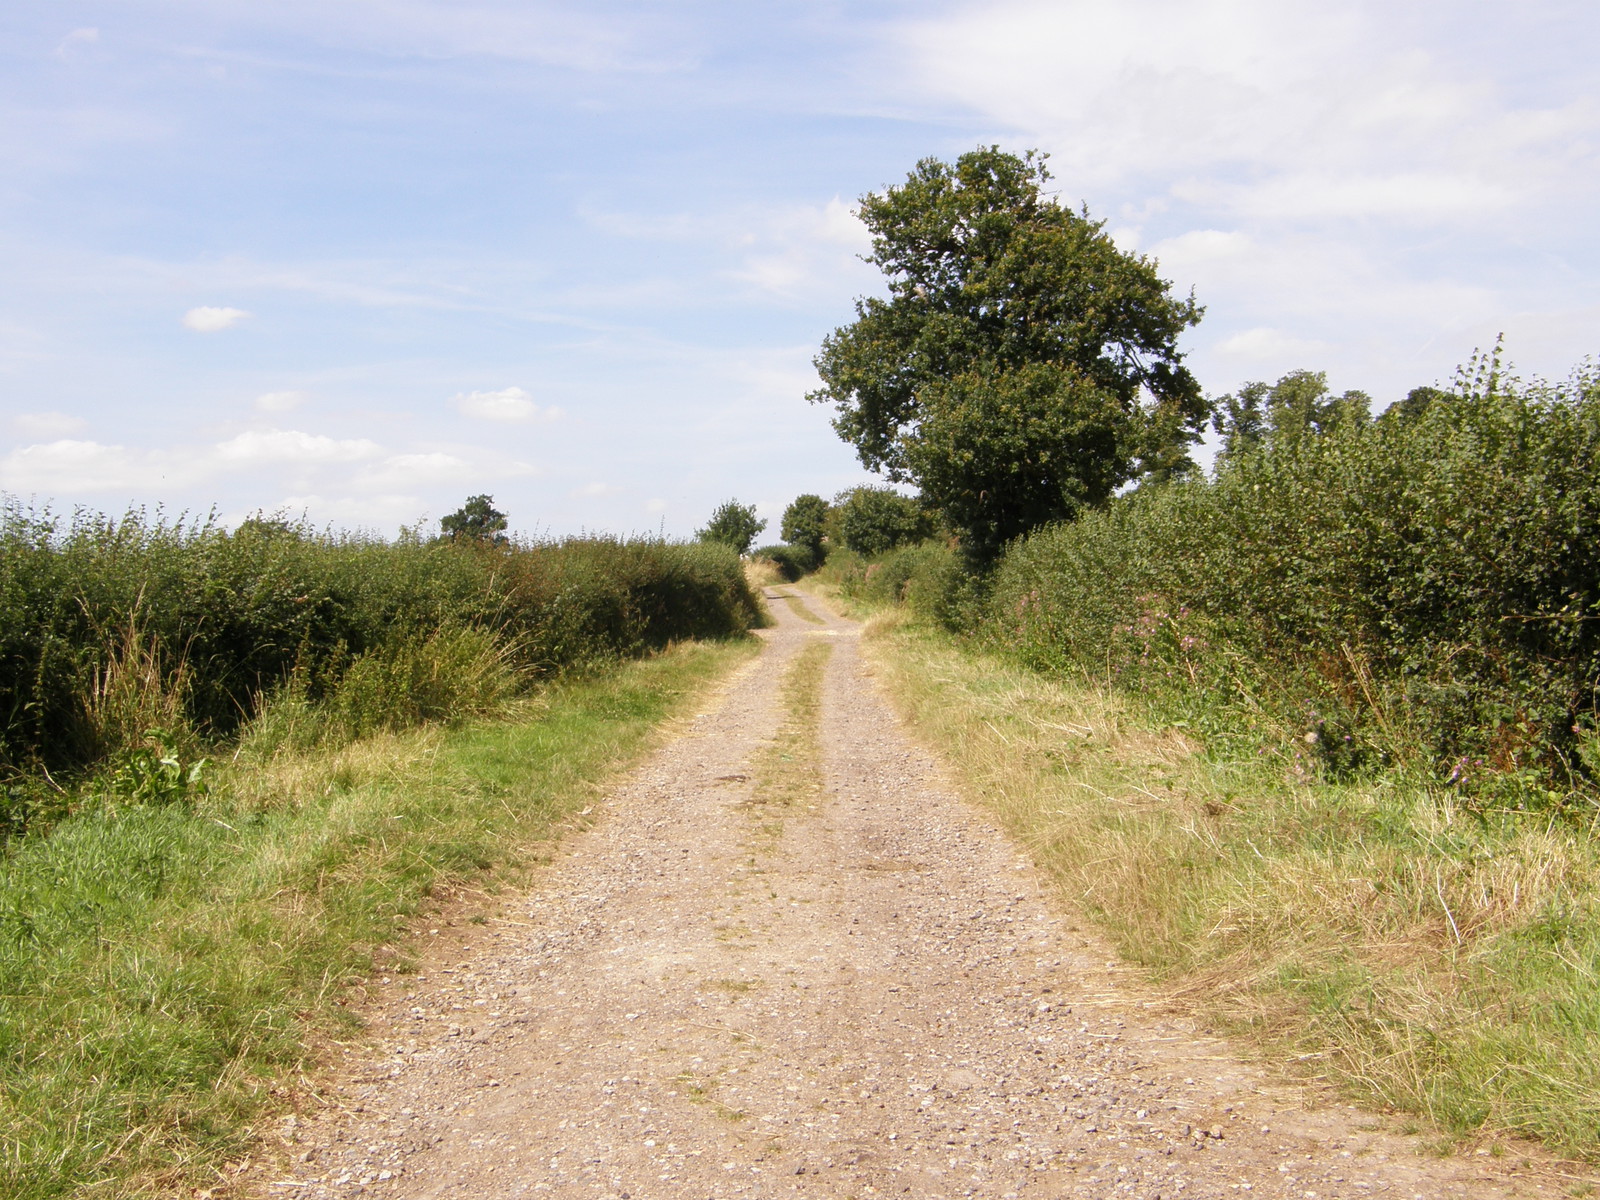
(157,774)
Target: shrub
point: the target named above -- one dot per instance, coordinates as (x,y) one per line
(792,561)
(110,628)
(930,579)
(1422,585)
(872,520)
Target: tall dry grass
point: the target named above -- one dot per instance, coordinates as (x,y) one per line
(1420,955)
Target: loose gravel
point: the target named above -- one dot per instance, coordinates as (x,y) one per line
(874,995)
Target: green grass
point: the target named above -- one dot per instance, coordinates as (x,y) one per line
(797,606)
(789,770)
(163,970)
(1416,954)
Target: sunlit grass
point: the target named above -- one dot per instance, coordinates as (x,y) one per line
(164,969)
(1417,955)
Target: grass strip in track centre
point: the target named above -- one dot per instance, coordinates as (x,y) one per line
(1416,956)
(162,970)
(789,770)
(798,606)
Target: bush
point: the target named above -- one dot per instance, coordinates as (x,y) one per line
(873,520)
(792,561)
(1427,585)
(110,628)
(930,579)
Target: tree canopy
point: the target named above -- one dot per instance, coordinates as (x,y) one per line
(733,524)
(1280,415)
(872,520)
(805,523)
(477,520)
(1023,366)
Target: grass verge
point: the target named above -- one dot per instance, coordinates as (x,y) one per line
(1423,958)
(163,969)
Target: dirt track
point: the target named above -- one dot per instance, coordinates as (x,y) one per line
(709,997)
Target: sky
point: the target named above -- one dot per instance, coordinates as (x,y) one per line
(357,260)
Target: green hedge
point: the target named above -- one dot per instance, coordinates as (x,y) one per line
(107,624)
(1424,583)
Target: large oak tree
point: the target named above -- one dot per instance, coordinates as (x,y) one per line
(1023,366)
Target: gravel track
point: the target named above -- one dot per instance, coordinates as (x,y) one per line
(708,997)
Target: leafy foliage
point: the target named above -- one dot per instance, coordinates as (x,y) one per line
(805,523)
(1023,367)
(155,773)
(477,520)
(792,561)
(1298,405)
(872,520)
(109,628)
(733,524)
(1423,584)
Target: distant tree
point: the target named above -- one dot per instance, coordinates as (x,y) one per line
(873,520)
(270,528)
(1241,420)
(476,521)
(1022,366)
(805,523)
(1416,402)
(1279,416)
(733,524)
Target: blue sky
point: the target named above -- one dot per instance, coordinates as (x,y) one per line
(363,258)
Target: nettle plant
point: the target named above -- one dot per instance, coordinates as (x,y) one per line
(156,773)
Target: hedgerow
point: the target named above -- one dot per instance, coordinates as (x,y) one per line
(110,627)
(1425,585)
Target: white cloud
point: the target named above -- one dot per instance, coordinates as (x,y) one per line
(1284,110)
(70,465)
(281,402)
(784,251)
(293,446)
(510,404)
(48,424)
(383,510)
(655,505)
(207,319)
(806,249)
(596,488)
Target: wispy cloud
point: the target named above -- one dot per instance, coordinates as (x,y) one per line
(332,478)
(77,43)
(207,319)
(526,31)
